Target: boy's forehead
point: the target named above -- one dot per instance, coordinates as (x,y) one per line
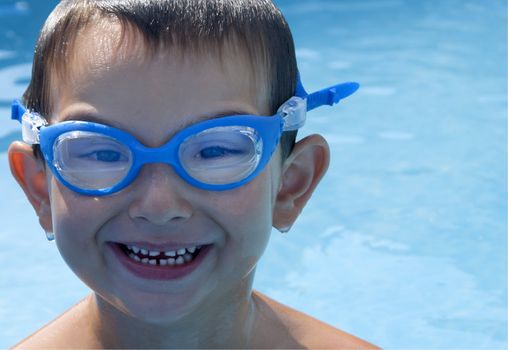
(106,53)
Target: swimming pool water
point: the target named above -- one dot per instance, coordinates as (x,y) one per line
(405,242)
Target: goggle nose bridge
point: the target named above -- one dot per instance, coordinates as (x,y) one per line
(166,154)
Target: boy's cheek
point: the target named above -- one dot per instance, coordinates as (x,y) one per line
(246,214)
(250,201)
(74,212)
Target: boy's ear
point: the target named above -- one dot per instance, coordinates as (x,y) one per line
(301,173)
(30,174)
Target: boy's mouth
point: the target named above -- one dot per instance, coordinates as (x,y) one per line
(177,257)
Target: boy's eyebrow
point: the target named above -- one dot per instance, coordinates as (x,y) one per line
(95,118)
(225,114)
(89,117)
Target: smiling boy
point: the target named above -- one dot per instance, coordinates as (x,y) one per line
(155,156)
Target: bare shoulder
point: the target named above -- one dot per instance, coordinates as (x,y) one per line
(298,330)
(65,331)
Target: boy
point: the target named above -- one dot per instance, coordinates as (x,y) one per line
(153,158)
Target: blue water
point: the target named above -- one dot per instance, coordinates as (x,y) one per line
(405,242)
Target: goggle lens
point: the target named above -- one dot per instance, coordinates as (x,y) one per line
(90,160)
(221,155)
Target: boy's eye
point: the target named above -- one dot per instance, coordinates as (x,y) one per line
(103,155)
(217,151)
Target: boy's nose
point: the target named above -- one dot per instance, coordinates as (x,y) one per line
(158,196)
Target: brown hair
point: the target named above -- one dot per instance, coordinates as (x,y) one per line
(256,26)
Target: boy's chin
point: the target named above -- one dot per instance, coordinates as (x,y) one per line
(163,310)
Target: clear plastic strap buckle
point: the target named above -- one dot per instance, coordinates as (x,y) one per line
(293,113)
(30,126)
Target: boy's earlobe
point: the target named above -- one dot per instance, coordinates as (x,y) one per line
(30,174)
(300,176)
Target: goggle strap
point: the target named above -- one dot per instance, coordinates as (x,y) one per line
(331,95)
(328,96)
(300,90)
(17,110)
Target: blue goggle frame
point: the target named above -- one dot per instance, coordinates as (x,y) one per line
(290,116)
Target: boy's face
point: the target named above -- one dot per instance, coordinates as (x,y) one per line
(153,99)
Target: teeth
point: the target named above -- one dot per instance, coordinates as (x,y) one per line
(180,260)
(181,251)
(171,253)
(176,257)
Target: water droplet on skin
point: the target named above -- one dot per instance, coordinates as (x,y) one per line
(283,229)
(50,236)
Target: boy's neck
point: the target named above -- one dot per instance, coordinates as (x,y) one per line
(226,323)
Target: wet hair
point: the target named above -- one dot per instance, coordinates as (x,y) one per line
(256,27)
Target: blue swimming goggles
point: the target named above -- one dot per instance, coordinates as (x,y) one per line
(217,154)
